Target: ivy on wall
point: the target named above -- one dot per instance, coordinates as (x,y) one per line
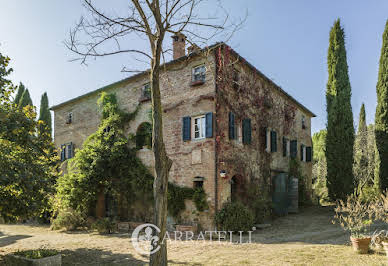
(107,162)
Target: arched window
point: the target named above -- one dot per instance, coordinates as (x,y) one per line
(144,136)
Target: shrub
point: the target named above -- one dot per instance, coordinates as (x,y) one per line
(68,219)
(234,217)
(36,254)
(104,226)
(355,216)
(199,198)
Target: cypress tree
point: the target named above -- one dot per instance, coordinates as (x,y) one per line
(340,129)
(19,93)
(44,112)
(381,118)
(25,99)
(361,160)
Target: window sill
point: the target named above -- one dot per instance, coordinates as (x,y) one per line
(144,99)
(197,83)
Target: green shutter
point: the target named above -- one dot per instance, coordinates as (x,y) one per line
(209,125)
(308,154)
(186,128)
(293,148)
(247,131)
(301,152)
(284,147)
(274,142)
(232,131)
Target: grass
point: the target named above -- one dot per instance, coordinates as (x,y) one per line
(307,238)
(36,254)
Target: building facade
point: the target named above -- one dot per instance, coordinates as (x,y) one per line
(224,123)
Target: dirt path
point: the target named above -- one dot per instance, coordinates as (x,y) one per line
(307,238)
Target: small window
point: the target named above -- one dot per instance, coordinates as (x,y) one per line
(267,140)
(239,132)
(146,93)
(199,73)
(67,151)
(69,118)
(303,153)
(199,127)
(303,122)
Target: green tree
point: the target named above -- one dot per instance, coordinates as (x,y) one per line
(381,117)
(340,129)
(361,160)
(27,162)
(44,114)
(19,93)
(25,99)
(319,165)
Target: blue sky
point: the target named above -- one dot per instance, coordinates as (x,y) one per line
(286,40)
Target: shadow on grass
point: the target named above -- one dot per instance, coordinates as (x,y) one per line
(85,256)
(8,240)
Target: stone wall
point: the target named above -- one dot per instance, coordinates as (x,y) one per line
(206,157)
(258,99)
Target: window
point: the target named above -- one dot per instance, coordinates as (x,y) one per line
(67,151)
(293,148)
(286,147)
(246,131)
(232,130)
(198,182)
(303,153)
(146,93)
(303,122)
(239,132)
(274,141)
(199,127)
(69,118)
(267,139)
(199,73)
(309,154)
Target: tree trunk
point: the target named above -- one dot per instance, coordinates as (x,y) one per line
(162,162)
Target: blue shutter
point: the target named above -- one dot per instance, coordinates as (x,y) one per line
(308,154)
(294,148)
(232,131)
(209,125)
(274,144)
(70,150)
(186,128)
(247,131)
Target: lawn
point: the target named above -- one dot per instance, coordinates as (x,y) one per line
(307,238)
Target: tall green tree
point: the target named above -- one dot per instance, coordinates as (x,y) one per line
(381,117)
(25,99)
(44,112)
(340,128)
(19,93)
(361,160)
(27,161)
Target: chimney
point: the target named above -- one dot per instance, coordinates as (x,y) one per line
(178,45)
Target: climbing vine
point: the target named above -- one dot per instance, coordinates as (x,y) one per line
(248,94)
(107,164)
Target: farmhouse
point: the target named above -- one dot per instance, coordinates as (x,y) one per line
(227,127)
